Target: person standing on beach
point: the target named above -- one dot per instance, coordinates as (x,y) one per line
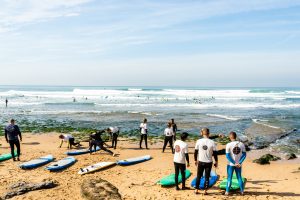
(96,140)
(114,133)
(174,126)
(144,133)
(236,155)
(168,137)
(69,139)
(6,102)
(205,150)
(181,157)
(12,135)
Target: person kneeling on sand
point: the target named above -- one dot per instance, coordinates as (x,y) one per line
(114,133)
(236,155)
(168,137)
(69,139)
(181,157)
(96,140)
(205,150)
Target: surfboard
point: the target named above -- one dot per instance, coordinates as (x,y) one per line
(234,185)
(80,152)
(37,162)
(170,180)
(95,167)
(212,181)
(132,161)
(6,156)
(61,164)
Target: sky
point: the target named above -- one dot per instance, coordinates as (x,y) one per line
(199,43)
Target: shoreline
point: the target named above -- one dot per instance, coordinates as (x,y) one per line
(138,181)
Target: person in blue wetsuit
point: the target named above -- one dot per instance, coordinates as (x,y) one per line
(236,155)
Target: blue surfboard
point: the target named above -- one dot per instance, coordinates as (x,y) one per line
(37,162)
(212,180)
(132,161)
(80,152)
(61,164)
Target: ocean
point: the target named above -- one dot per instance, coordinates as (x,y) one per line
(267,117)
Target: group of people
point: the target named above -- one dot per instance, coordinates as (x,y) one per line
(204,155)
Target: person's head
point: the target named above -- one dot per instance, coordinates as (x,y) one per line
(184,136)
(61,137)
(232,136)
(12,121)
(169,125)
(205,132)
(173,121)
(145,120)
(108,130)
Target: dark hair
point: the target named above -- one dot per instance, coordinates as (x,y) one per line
(169,124)
(145,120)
(184,136)
(61,136)
(12,121)
(233,134)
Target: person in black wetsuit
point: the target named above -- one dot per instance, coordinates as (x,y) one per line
(174,126)
(12,135)
(96,140)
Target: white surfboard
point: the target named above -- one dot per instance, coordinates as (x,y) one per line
(95,167)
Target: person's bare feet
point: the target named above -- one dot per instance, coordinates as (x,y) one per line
(205,192)
(196,192)
(226,194)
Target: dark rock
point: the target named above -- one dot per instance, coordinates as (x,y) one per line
(98,189)
(20,188)
(265,159)
(291,156)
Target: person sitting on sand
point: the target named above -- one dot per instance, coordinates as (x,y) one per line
(236,155)
(12,135)
(69,139)
(96,140)
(114,133)
(144,133)
(168,137)
(181,157)
(205,150)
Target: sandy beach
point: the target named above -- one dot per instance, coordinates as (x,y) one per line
(280,180)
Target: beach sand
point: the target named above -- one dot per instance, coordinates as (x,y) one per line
(279,180)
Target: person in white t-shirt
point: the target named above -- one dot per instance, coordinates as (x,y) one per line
(114,133)
(169,134)
(236,155)
(69,139)
(144,133)
(205,151)
(181,157)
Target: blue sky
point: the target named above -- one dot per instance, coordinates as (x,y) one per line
(150,42)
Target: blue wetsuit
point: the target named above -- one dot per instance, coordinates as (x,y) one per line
(235,153)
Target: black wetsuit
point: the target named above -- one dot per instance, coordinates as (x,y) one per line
(96,140)
(12,134)
(114,138)
(168,139)
(174,130)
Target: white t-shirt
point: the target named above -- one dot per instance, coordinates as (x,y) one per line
(114,129)
(169,132)
(181,148)
(236,150)
(143,127)
(205,148)
(67,137)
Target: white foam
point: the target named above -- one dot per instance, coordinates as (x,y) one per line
(232,118)
(257,121)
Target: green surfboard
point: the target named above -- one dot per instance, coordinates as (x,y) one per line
(6,156)
(170,180)
(234,185)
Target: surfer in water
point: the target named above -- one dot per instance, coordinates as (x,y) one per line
(96,140)
(144,133)
(181,158)
(69,139)
(12,135)
(6,102)
(236,155)
(205,150)
(168,137)
(114,133)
